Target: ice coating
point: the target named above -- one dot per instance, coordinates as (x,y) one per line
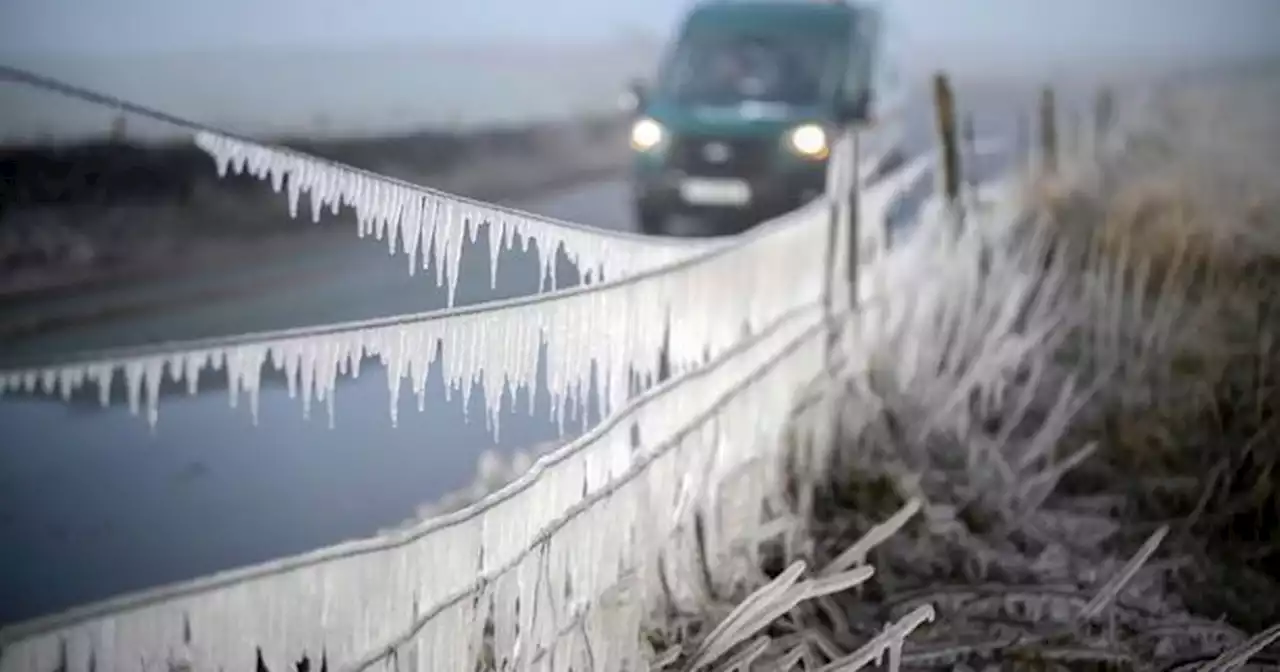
(356,600)
(618,328)
(591,516)
(431,227)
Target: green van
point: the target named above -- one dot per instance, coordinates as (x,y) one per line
(747,100)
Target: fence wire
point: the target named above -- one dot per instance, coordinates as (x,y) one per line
(42,82)
(39,637)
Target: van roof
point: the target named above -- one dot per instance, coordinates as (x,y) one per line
(808,5)
(821,15)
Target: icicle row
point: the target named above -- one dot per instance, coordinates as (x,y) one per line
(618,327)
(605,508)
(430,227)
(633,502)
(352,603)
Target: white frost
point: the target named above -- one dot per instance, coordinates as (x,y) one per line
(580,523)
(584,520)
(618,327)
(431,227)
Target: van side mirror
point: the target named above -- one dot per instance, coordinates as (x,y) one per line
(635,97)
(853,109)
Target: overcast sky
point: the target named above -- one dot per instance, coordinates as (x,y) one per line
(226,78)
(1097,28)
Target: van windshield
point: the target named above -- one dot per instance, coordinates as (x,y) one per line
(732,69)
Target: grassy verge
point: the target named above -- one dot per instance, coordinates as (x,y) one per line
(1069,421)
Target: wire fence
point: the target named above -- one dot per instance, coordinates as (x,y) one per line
(236,626)
(563,563)
(394,586)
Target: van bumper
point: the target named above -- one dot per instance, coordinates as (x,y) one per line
(771,194)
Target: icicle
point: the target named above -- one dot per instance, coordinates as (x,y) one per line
(133,375)
(418,217)
(68,380)
(412,591)
(355,598)
(704,304)
(153,375)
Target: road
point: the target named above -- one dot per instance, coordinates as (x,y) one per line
(94,504)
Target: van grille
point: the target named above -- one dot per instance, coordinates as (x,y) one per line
(748,157)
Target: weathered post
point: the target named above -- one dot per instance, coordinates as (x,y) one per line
(1048,132)
(1072,144)
(1103,118)
(842,191)
(969,161)
(855,234)
(1022,141)
(944,107)
(835,178)
(119,128)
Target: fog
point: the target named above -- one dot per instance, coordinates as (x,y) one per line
(314,91)
(332,67)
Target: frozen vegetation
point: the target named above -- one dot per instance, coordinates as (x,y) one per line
(1077,402)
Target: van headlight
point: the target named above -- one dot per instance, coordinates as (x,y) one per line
(808,140)
(646,134)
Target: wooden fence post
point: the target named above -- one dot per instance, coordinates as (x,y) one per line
(843,190)
(119,128)
(945,108)
(1071,140)
(1023,142)
(834,188)
(854,230)
(968,162)
(1103,118)
(1048,131)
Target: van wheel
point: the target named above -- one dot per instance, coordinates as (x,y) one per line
(651,220)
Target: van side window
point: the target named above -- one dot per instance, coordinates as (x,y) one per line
(727,69)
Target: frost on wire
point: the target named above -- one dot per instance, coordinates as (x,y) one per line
(419,598)
(431,227)
(619,328)
(703,440)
